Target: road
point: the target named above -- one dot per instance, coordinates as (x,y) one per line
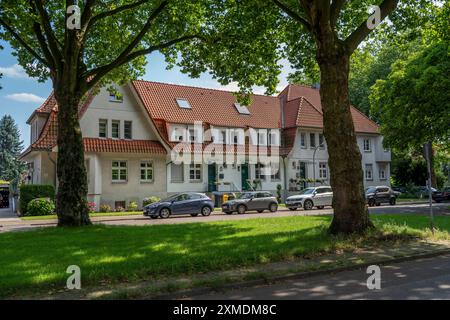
(418,279)
(439,209)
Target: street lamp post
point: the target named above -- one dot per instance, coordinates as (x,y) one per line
(314,162)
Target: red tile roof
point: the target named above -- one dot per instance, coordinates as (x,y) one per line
(125,146)
(215,107)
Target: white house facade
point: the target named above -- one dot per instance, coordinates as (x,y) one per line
(154,139)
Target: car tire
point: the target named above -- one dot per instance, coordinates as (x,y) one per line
(164,213)
(308,205)
(320,207)
(392,202)
(241,209)
(206,211)
(260,211)
(378,204)
(371,202)
(293,209)
(194,214)
(273,207)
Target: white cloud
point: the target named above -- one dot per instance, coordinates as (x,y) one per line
(14,71)
(25,97)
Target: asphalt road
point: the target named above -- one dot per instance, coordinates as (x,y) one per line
(418,279)
(17,225)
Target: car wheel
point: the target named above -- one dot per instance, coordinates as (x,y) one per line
(164,213)
(194,214)
(292,209)
(241,209)
(308,205)
(320,207)
(371,202)
(392,202)
(378,204)
(273,207)
(260,211)
(206,211)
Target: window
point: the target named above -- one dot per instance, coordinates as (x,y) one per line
(259,171)
(120,205)
(367,147)
(382,172)
(192,135)
(115,129)
(303,140)
(275,174)
(184,104)
(103,128)
(323,171)
(128,130)
(177,172)
(262,138)
(119,171)
(115,96)
(369,172)
(312,140)
(241,109)
(178,134)
(146,171)
(274,138)
(321,141)
(195,172)
(235,137)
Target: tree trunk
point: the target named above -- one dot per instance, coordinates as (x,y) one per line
(433,171)
(349,204)
(71,198)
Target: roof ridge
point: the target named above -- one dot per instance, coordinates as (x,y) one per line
(203,88)
(315,108)
(364,115)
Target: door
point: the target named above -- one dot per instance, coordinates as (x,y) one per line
(383,194)
(303,174)
(244,177)
(328,197)
(212,177)
(182,205)
(4,198)
(319,197)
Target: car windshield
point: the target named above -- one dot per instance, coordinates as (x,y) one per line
(247,195)
(171,198)
(307,191)
(370,190)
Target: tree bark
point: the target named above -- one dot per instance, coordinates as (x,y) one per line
(71,198)
(349,204)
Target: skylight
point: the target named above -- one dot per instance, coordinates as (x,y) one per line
(184,104)
(241,109)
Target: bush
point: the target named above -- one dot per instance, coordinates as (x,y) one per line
(132,206)
(91,206)
(29,192)
(105,208)
(120,209)
(40,207)
(150,200)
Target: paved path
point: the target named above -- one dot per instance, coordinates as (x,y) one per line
(419,279)
(439,209)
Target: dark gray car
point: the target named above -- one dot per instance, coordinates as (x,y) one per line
(381,194)
(251,201)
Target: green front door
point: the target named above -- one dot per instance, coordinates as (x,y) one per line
(244,177)
(212,177)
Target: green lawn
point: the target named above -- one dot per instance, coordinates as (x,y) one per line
(96,214)
(37,260)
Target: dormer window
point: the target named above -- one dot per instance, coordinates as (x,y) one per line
(184,104)
(241,109)
(115,96)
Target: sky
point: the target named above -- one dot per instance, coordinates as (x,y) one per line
(21,95)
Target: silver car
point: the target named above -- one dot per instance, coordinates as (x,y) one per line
(311,197)
(251,201)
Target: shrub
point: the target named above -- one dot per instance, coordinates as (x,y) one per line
(120,209)
(279,188)
(105,208)
(91,206)
(132,206)
(29,192)
(150,200)
(40,207)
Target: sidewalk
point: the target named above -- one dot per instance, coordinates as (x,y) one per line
(7,215)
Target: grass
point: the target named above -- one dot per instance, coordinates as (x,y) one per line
(36,261)
(95,214)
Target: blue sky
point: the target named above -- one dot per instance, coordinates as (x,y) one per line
(21,94)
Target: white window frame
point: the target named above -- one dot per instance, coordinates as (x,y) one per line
(131,129)
(303,140)
(105,122)
(262,137)
(259,171)
(368,174)
(113,122)
(323,170)
(321,144)
(195,171)
(369,144)
(382,168)
(120,169)
(146,169)
(312,146)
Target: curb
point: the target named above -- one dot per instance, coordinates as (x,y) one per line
(291,276)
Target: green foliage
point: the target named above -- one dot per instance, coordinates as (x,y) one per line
(29,192)
(11,167)
(40,207)
(413,103)
(150,200)
(132,206)
(105,208)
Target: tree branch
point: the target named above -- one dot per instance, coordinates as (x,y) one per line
(98,73)
(53,43)
(353,40)
(336,7)
(23,43)
(293,14)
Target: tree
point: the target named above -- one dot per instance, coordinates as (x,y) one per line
(11,167)
(83,47)
(309,32)
(413,103)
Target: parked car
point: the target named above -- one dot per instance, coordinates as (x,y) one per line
(423,192)
(182,203)
(251,201)
(311,197)
(439,196)
(400,189)
(381,194)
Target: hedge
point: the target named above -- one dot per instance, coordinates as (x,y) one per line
(30,192)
